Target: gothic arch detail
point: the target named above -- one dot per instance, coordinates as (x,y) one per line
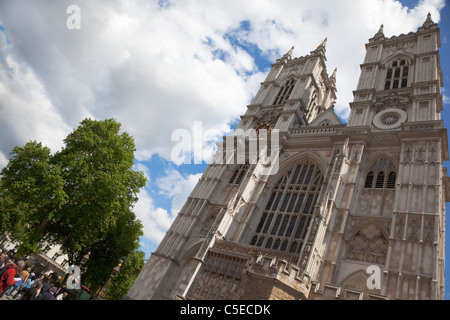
(285,91)
(379,184)
(287,215)
(397,75)
(382,174)
(238,174)
(358,281)
(368,243)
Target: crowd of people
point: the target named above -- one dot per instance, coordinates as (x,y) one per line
(20,283)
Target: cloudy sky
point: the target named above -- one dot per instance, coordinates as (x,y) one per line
(161,66)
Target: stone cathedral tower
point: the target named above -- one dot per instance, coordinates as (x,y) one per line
(345,199)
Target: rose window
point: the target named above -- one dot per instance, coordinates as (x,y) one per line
(390,119)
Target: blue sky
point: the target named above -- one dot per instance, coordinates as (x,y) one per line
(445,66)
(160,66)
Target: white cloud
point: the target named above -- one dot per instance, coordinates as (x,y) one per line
(173,186)
(157,68)
(26,113)
(155,220)
(143,168)
(177,187)
(3,160)
(445,99)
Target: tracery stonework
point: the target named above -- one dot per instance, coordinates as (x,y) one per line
(343,197)
(369,244)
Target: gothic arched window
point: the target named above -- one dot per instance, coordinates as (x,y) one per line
(312,104)
(285,92)
(382,180)
(397,75)
(287,215)
(391,180)
(369,180)
(238,174)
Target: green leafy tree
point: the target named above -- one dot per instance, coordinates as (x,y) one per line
(12,217)
(101,185)
(115,246)
(77,198)
(129,271)
(32,195)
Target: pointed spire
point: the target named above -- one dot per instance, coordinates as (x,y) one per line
(321,47)
(381,29)
(333,79)
(290,51)
(333,75)
(323,43)
(287,55)
(428,22)
(380,34)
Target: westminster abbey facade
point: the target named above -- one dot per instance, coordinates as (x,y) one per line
(344,199)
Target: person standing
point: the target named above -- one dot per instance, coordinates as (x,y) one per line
(48,295)
(23,277)
(3,259)
(26,286)
(39,279)
(33,293)
(7,278)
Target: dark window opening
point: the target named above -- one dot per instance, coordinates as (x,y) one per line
(284,245)
(293,247)
(380,180)
(261,222)
(238,175)
(269,220)
(387,86)
(285,222)
(389,74)
(395,86)
(378,172)
(260,242)
(272,197)
(277,244)
(391,180)
(404,83)
(269,243)
(233,177)
(285,92)
(405,71)
(276,224)
(369,180)
(397,75)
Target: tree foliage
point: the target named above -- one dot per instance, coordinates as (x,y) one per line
(32,193)
(129,271)
(80,198)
